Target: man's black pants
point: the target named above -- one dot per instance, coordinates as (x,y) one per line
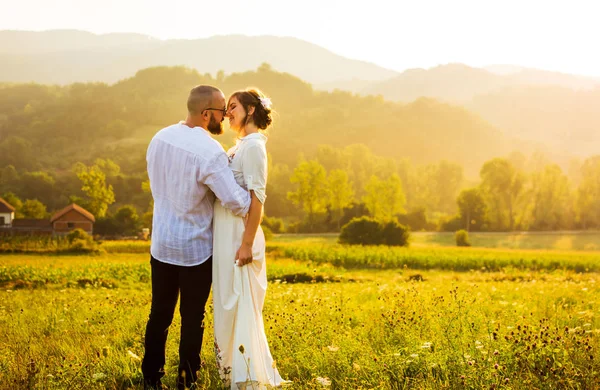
(169,281)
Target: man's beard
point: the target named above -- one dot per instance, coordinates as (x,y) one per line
(215,127)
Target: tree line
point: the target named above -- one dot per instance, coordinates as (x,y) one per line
(336,185)
(427,164)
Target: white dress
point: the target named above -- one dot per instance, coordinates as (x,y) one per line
(239,292)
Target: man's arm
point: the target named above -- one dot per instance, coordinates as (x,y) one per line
(221,181)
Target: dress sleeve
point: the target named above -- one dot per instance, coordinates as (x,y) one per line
(221,181)
(254,168)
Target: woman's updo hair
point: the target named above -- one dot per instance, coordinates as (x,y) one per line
(262,106)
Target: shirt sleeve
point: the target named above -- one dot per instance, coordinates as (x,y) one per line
(254,168)
(220,180)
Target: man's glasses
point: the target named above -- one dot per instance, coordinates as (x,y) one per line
(223,110)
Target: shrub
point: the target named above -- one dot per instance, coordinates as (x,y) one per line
(81,242)
(267,232)
(368,231)
(462,238)
(451,224)
(78,234)
(395,234)
(274,224)
(361,231)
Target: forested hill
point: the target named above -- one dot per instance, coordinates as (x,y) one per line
(67,56)
(52,127)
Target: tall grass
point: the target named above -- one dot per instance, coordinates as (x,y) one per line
(442,258)
(450,330)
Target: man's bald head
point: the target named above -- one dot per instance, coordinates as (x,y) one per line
(203,97)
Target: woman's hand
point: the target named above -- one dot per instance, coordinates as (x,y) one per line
(243,255)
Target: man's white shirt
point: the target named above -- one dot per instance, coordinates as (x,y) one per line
(187,168)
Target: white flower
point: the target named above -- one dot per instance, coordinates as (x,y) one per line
(133,355)
(333,348)
(265,102)
(324,381)
(99,376)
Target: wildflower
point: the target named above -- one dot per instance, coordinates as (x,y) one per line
(414,355)
(133,355)
(332,348)
(324,381)
(99,376)
(241,348)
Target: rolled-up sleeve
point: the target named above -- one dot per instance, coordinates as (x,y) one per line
(220,180)
(254,169)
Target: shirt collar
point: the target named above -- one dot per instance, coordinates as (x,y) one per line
(257,135)
(182,123)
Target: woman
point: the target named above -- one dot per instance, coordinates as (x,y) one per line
(239,289)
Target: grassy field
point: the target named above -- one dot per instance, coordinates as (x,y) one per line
(430,318)
(562,241)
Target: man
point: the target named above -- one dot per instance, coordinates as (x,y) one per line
(187,168)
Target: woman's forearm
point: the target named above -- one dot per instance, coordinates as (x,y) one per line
(253,221)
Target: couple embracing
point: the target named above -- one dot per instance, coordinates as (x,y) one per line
(208,206)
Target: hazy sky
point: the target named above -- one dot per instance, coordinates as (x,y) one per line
(554,35)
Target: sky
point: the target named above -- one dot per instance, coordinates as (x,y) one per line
(554,35)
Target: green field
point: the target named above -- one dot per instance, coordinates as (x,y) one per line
(566,241)
(360,318)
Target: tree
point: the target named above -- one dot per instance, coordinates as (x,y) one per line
(361,163)
(93,182)
(311,188)
(278,186)
(341,193)
(15,202)
(446,181)
(37,184)
(471,208)
(588,194)
(17,151)
(330,157)
(9,177)
(550,199)
(108,166)
(385,198)
(502,184)
(127,220)
(33,208)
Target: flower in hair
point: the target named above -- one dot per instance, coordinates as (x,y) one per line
(265,102)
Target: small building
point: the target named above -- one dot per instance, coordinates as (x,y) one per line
(61,223)
(31,227)
(7,213)
(70,218)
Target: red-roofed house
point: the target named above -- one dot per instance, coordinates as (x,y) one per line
(7,213)
(61,223)
(72,217)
